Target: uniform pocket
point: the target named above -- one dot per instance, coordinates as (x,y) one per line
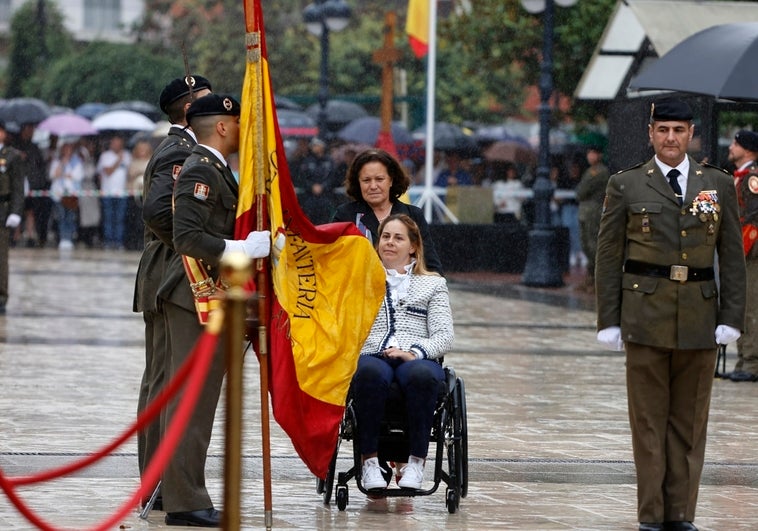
(643,220)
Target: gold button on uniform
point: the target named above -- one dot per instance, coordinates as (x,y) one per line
(684,256)
(684,234)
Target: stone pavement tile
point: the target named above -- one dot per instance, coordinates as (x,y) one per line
(549,445)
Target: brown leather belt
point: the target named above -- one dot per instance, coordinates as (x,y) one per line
(679,273)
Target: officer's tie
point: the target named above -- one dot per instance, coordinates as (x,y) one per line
(672,176)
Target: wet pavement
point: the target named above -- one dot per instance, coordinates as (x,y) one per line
(549,442)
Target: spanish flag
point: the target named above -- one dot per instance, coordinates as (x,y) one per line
(417,26)
(328,282)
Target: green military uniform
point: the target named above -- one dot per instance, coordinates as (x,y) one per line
(590,193)
(11,202)
(205,201)
(157,212)
(668,325)
(747,195)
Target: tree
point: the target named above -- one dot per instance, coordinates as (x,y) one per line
(108,72)
(38,38)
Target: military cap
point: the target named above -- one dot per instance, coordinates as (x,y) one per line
(213,105)
(670,109)
(747,139)
(180,87)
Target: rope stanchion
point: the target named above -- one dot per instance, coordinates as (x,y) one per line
(195,369)
(237,270)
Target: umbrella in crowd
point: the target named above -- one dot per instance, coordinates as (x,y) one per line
(338,113)
(718,61)
(67,125)
(366,131)
(452,139)
(494,133)
(123,121)
(24,111)
(510,150)
(142,107)
(282,102)
(296,124)
(90,110)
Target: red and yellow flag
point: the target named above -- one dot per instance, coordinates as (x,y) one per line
(417,26)
(328,282)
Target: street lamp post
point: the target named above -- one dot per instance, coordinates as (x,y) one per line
(321,18)
(542,267)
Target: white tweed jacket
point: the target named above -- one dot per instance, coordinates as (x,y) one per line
(421,322)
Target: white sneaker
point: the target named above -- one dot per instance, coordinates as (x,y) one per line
(412,473)
(372,477)
(66,245)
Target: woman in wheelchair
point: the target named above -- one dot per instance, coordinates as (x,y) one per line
(412,331)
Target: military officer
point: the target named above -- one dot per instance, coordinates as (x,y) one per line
(590,192)
(743,153)
(11,205)
(657,298)
(205,199)
(160,174)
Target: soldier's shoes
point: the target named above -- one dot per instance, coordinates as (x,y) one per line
(202,518)
(679,526)
(651,526)
(742,376)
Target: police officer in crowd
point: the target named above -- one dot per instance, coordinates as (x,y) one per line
(743,153)
(205,199)
(663,223)
(161,172)
(11,205)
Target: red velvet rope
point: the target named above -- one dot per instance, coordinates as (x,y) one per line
(194,370)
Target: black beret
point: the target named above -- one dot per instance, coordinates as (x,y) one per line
(670,109)
(747,139)
(180,87)
(213,105)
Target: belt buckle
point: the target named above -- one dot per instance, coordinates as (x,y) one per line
(679,273)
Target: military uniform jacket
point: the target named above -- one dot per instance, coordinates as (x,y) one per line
(11,183)
(747,196)
(643,221)
(205,210)
(591,190)
(157,212)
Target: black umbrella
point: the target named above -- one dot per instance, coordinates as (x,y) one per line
(282,102)
(338,113)
(452,138)
(24,111)
(718,61)
(296,124)
(366,131)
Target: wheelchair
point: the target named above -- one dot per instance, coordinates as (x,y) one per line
(449,433)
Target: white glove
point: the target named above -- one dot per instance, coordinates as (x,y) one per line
(611,338)
(256,245)
(13,221)
(725,334)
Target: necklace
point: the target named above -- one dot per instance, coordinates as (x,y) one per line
(386,214)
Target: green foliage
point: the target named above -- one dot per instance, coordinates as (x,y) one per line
(108,72)
(38,38)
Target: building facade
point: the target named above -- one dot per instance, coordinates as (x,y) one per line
(87,20)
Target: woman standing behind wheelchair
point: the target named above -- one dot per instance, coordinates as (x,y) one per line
(414,328)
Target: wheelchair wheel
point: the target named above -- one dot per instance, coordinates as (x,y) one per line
(327,484)
(461,421)
(342,497)
(451,501)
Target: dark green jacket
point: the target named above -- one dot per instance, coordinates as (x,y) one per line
(642,221)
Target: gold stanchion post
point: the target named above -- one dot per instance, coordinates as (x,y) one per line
(237,270)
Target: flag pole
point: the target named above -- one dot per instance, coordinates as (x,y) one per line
(428,198)
(254,47)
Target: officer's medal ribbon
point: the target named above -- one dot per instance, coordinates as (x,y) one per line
(706,206)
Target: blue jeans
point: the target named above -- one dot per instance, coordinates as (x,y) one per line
(114,220)
(66,222)
(419,381)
